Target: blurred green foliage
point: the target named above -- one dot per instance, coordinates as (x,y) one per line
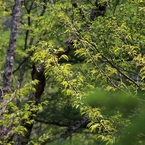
(92,68)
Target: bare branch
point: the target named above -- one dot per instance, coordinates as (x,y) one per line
(73,128)
(51,122)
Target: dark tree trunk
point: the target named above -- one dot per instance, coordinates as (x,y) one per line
(37,74)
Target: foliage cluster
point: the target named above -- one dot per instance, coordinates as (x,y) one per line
(92,68)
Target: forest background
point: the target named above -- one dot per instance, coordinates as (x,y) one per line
(72,72)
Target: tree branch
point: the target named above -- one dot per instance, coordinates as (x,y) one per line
(52,122)
(24,60)
(112,64)
(73,128)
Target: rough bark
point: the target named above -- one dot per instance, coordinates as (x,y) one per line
(71,129)
(10,61)
(11,48)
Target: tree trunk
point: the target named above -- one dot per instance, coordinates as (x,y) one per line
(10,60)
(11,48)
